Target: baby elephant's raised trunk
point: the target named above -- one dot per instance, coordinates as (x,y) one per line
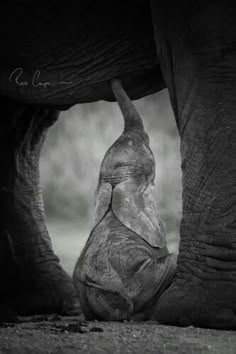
(125,265)
(131,116)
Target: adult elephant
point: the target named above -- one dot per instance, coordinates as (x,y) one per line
(54,56)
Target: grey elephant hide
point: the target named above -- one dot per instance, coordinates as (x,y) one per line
(125,264)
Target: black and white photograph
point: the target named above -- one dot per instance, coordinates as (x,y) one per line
(118,177)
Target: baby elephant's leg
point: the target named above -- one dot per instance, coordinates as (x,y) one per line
(145,274)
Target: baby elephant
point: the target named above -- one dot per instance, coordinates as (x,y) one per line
(125,266)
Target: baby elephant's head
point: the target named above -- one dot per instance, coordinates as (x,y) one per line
(127,177)
(130,156)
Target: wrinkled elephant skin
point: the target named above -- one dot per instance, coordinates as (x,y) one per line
(196,48)
(32,280)
(101,40)
(125,264)
(54,56)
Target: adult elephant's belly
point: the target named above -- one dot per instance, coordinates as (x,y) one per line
(63,55)
(119,276)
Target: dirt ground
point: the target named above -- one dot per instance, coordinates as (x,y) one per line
(59,335)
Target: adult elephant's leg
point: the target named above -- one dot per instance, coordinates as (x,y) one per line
(32,280)
(199,64)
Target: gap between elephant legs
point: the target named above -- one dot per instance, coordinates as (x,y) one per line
(32,279)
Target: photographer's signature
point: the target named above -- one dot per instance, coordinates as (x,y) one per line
(16,76)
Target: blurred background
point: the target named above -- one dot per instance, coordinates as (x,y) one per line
(70,164)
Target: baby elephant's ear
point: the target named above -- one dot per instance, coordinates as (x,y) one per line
(103,200)
(137,211)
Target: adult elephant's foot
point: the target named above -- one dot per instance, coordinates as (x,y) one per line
(202,305)
(32,279)
(204,289)
(48,289)
(202,293)
(31,288)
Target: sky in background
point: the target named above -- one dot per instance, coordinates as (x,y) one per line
(70,164)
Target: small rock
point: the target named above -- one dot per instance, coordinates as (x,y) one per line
(96,329)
